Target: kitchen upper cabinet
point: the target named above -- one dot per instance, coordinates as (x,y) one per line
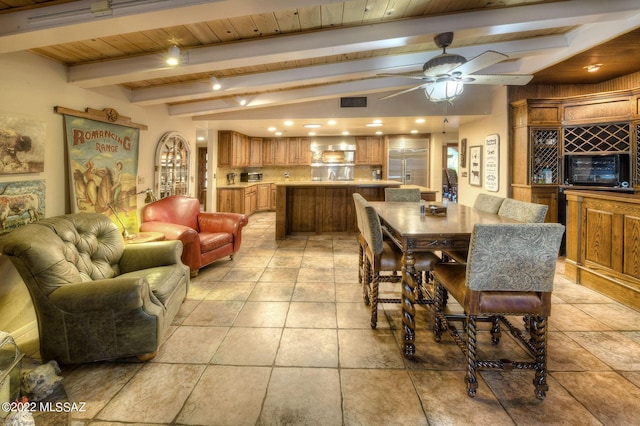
(274,152)
(255,152)
(369,150)
(233,149)
(298,151)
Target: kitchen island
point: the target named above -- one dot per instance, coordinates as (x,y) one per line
(323,207)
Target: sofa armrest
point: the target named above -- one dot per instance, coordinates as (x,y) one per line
(231,223)
(115,294)
(171,231)
(150,255)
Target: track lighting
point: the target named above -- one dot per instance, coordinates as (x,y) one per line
(173,55)
(215,83)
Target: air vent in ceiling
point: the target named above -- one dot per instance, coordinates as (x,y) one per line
(353,102)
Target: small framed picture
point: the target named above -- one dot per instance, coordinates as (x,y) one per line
(475,165)
(463,153)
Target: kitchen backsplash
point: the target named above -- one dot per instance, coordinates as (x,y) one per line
(296,173)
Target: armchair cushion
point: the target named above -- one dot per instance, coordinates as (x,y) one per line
(206,236)
(95,297)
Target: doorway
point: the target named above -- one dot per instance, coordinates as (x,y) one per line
(450,171)
(202,167)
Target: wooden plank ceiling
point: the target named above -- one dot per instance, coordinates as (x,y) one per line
(242,31)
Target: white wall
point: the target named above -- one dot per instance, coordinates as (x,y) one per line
(30,87)
(476,132)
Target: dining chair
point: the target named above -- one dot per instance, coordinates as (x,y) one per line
(486,203)
(523,211)
(402,194)
(509,272)
(383,259)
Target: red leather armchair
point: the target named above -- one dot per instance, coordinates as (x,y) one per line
(206,237)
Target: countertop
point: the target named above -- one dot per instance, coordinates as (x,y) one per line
(357,182)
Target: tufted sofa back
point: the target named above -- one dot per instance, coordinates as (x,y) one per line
(67,249)
(176,209)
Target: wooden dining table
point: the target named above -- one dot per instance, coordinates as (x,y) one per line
(414,232)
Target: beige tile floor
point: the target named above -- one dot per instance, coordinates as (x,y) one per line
(280,335)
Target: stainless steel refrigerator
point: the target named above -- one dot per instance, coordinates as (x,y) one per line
(409,166)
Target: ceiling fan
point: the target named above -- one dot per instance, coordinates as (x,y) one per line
(444,76)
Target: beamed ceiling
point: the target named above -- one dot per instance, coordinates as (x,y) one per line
(295,59)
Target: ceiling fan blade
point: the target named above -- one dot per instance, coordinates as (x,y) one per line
(413,76)
(481,61)
(403,92)
(500,79)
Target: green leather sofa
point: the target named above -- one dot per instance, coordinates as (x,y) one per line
(95,297)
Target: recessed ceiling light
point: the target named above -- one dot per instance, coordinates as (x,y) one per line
(592,67)
(414,131)
(331,122)
(271,129)
(312,126)
(419,120)
(373,125)
(345,133)
(215,83)
(242,101)
(378,132)
(312,133)
(288,123)
(200,138)
(278,133)
(377,120)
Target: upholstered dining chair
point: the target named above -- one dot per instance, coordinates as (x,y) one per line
(509,272)
(383,256)
(523,211)
(402,194)
(486,203)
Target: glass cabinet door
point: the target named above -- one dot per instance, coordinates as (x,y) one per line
(172,165)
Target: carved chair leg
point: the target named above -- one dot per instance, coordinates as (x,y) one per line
(375,281)
(366,282)
(472,362)
(438,309)
(495,330)
(539,340)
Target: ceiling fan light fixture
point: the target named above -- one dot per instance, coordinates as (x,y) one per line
(443,91)
(442,64)
(173,55)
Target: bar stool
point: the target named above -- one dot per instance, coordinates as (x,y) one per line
(381,256)
(509,271)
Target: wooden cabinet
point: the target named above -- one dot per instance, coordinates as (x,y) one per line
(233,149)
(298,151)
(250,200)
(369,150)
(230,200)
(274,152)
(536,154)
(264,196)
(255,152)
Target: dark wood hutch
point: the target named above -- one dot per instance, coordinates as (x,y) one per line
(602,222)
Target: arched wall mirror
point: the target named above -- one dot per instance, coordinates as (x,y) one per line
(172,165)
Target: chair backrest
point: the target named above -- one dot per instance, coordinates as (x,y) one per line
(67,249)
(513,256)
(523,211)
(177,209)
(368,218)
(488,203)
(402,194)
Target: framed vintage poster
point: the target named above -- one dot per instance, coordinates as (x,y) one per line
(21,202)
(475,165)
(492,163)
(103,164)
(21,145)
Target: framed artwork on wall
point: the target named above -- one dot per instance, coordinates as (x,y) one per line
(463,153)
(21,145)
(492,163)
(475,165)
(21,202)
